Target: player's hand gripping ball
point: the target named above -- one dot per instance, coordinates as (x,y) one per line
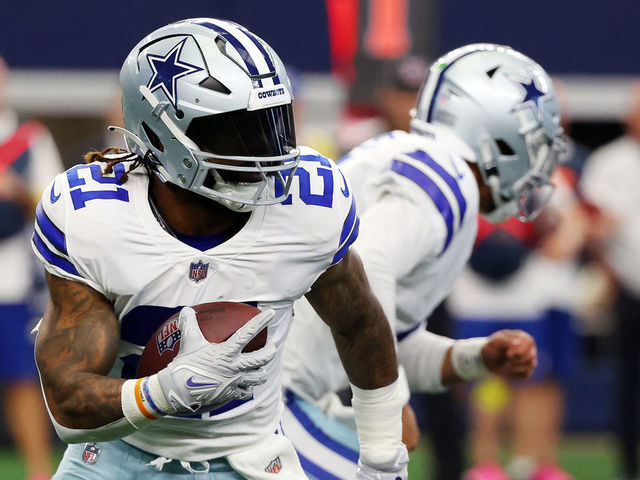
(217,322)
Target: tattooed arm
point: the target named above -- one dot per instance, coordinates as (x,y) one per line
(75,349)
(77,346)
(343,299)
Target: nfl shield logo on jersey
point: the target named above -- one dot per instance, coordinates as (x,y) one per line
(198,271)
(274,466)
(90,453)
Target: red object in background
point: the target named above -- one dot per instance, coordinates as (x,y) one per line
(388,30)
(524,231)
(217,322)
(24,136)
(343,36)
(565,175)
(529,232)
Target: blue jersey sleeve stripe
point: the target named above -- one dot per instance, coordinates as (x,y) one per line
(431,189)
(50,231)
(52,258)
(352,238)
(348,223)
(446,176)
(317,433)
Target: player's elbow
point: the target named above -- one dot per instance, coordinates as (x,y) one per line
(60,402)
(71,435)
(61,388)
(62,414)
(88,435)
(62,396)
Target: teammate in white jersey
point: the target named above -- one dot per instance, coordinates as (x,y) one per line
(485,137)
(214,201)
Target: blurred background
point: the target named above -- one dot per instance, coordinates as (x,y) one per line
(356,66)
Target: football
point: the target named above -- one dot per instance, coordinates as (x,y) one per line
(217,322)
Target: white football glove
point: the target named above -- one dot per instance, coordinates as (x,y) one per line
(207,374)
(395,469)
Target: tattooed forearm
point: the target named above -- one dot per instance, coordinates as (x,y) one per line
(343,299)
(76,347)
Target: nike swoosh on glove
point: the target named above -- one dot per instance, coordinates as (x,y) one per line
(207,374)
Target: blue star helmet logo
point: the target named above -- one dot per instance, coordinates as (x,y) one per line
(167,70)
(532,95)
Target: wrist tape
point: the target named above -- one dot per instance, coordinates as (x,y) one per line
(143,401)
(378,415)
(466,358)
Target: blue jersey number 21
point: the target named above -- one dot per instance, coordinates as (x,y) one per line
(81,197)
(324,199)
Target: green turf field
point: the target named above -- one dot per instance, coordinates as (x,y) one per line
(588,457)
(585,457)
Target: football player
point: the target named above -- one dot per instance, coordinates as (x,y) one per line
(213,201)
(485,137)
(29,159)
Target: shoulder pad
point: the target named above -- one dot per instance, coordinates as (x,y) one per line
(342,219)
(377,144)
(323,191)
(69,215)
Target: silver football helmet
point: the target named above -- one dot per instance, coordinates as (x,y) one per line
(503,105)
(210,104)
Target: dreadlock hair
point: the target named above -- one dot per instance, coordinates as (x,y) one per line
(123,156)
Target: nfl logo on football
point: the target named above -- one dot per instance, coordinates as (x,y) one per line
(90,453)
(168,336)
(198,271)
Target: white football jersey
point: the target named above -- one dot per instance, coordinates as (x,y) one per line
(93,230)
(418,205)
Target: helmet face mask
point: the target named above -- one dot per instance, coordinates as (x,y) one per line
(212,103)
(502,104)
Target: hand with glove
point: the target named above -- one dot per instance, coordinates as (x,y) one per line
(394,469)
(378,415)
(202,375)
